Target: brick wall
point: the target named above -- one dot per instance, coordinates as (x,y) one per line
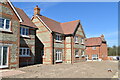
(44,38)
(28,43)
(11,39)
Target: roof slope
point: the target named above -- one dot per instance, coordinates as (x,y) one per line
(95,41)
(26,20)
(69,27)
(64,28)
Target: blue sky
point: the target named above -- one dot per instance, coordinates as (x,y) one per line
(96,17)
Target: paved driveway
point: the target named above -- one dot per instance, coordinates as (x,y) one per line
(77,70)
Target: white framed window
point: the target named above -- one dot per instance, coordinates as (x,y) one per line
(5,24)
(24,52)
(76,53)
(94,57)
(87,57)
(82,40)
(24,31)
(3,56)
(58,38)
(82,53)
(58,55)
(76,39)
(94,48)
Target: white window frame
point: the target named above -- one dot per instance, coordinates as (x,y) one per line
(21,31)
(4,66)
(82,53)
(77,54)
(96,58)
(94,48)
(58,56)
(25,55)
(82,40)
(76,39)
(4,27)
(58,38)
(87,57)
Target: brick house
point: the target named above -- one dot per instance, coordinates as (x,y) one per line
(58,42)
(27,39)
(11,21)
(96,48)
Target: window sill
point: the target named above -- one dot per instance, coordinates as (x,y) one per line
(58,61)
(4,30)
(58,41)
(76,42)
(25,56)
(24,36)
(77,56)
(82,43)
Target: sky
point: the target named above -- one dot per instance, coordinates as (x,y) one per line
(96,17)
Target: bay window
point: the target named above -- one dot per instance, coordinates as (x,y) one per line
(24,52)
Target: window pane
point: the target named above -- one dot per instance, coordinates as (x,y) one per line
(1,23)
(4,55)
(23,32)
(7,24)
(24,51)
(27,31)
(28,52)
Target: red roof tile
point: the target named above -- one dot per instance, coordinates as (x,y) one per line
(25,18)
(64,28)
(93,41)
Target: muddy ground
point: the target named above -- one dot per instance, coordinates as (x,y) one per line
(91,69)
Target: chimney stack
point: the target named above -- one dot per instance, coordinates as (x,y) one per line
(36,10)
(102,36)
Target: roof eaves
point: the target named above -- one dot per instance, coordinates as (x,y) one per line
(15,11)
(44,23)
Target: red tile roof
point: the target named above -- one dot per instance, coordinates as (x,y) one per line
(25,18)
(64,28)
(93,41)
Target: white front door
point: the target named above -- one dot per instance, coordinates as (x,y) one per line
(3,56)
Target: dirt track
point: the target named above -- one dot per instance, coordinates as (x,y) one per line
(77,70)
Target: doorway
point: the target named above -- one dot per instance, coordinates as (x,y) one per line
(3,56)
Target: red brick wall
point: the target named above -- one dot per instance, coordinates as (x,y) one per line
(100,50)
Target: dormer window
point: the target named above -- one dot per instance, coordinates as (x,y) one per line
(24,31)
(4,24)
(58,38)
(76,39)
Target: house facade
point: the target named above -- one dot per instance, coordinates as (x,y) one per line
(58,42)
(15,43)
(96,48)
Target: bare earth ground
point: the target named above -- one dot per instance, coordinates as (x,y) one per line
(91,69)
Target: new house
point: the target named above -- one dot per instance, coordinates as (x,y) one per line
(58,42)
(96,48)
(17,37)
